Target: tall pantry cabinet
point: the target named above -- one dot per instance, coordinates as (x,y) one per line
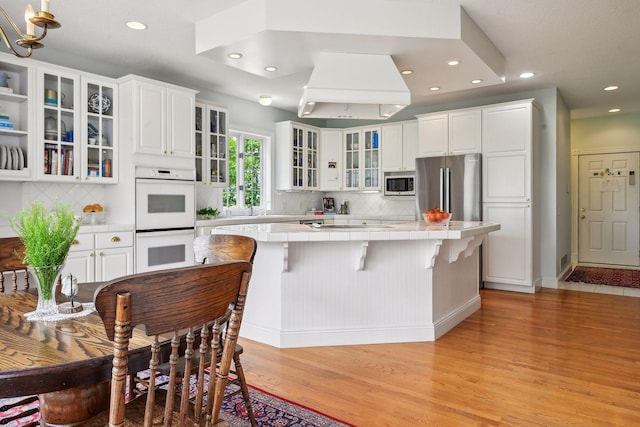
(510,196)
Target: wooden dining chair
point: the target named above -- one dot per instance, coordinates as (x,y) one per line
(174,303)
(14,277)
(214,249)
(11,265)
(217,248)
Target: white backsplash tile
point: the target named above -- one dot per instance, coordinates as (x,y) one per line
(373,204)
(77,196)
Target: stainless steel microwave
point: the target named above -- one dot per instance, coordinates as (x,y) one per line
(399,185)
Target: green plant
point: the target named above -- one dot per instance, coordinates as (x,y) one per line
(47,237)
(210,212)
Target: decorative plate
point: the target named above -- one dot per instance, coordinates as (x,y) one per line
(99,103)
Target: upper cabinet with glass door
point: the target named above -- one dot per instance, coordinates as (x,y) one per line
(99,130)
(57,138)
(16,89)
(362,159)
(212,145)
(297,156)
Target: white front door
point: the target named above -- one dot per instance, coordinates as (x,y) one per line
(608,210)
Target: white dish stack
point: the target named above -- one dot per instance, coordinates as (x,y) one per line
(11,158)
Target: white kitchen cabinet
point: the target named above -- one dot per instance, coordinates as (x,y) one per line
(399,146)
(96,257)
(212,145)
(331,159)
(509,147)
(157,119)
(508,252)
(99,130)
(297,156)
(16,134)
(450,132)
(361,152)
(59,153)
(507,143)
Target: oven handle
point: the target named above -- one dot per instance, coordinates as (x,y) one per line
(167,231)
(162,181)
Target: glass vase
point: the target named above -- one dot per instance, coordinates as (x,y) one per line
(46,279)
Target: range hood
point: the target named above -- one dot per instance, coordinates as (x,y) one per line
(354,86)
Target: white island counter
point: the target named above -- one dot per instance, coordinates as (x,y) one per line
(360,284)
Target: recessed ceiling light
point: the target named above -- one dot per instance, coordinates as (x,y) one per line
(476,81)
(614,110)
(265,100)
(235,55)
(527,75)
(134,25)
(406,72)
(612,87)
(454,62)
(270,68)
(434,88)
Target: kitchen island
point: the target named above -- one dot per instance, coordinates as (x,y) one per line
(360,284)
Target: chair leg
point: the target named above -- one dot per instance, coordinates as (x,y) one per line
(24,401)
(245,389)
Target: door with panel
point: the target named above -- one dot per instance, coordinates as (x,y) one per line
(608,209)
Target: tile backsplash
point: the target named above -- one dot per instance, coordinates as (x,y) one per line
(77,196)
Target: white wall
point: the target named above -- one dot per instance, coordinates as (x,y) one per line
(601,134)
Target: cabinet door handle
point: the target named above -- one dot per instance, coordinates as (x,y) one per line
(91,254)
(101,254)
(115,239)
(75,242)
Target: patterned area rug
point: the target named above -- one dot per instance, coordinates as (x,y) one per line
(606,276)
(269,410)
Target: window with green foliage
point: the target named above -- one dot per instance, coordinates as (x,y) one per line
(245,171)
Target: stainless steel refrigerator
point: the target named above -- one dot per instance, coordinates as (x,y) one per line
(451,183)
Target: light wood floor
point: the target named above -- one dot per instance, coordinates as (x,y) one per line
(556,358)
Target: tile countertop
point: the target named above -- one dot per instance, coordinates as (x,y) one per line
(262,219)
(275,232)
(7,231)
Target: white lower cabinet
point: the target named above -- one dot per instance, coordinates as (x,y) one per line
(509,258)
(98,257)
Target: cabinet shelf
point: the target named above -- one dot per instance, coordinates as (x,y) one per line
(13,132)
(13,97)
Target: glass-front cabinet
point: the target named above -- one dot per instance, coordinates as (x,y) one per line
(99,131)
(76,135)
(352,159)
(297,156)
(362,159)
(212,145)
(57,144)
(16,158)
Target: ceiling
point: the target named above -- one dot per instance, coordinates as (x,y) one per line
(578,46)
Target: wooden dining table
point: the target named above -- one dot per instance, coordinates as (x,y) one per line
(67,363)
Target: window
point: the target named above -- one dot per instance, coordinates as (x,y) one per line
(246,171)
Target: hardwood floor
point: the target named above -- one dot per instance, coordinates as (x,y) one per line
(559,357)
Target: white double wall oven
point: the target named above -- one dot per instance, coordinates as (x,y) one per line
(165,218)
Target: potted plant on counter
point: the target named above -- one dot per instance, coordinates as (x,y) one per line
(47,237)
(207,213)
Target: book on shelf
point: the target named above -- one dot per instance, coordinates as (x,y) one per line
(54,162)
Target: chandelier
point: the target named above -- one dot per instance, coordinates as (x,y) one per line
(29,40)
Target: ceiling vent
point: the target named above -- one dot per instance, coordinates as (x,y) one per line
(354,86)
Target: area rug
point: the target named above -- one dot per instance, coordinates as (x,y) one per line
(269,410)
(606,276)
